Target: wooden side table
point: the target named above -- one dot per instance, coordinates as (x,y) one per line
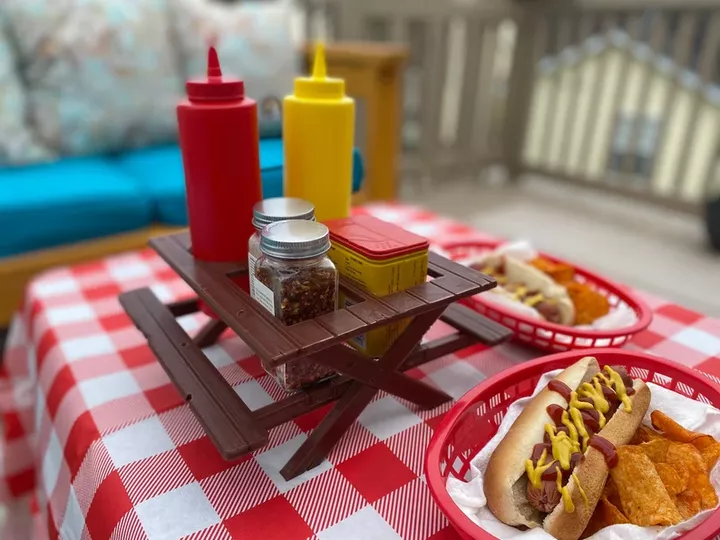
(373,73)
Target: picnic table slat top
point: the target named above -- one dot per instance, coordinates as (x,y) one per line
(276,343)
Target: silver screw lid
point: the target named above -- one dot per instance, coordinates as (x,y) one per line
(280,209)
(295,239)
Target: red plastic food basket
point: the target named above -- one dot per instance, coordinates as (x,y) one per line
(474,420)
(549,336)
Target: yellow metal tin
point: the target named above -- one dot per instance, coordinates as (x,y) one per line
(380,278)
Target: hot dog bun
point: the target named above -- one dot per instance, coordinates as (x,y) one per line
(506,500)
(593,471)
(520,273)
(505,482)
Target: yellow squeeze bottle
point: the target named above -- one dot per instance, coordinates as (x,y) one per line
(318,129)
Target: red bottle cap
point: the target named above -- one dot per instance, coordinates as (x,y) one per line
(215,87)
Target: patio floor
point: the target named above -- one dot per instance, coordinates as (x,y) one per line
(649,248)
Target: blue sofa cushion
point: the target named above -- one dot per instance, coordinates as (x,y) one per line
(159,173)
(43,206)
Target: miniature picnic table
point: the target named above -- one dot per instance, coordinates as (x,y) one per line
(235,429)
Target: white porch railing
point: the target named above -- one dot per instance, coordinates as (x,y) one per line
(621,95)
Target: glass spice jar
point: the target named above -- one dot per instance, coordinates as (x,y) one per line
(296,281)
(268,211)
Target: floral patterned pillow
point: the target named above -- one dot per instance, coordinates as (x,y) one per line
(18,145)
(101,75)
(254,42)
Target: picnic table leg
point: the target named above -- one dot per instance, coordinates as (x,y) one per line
(348,361)
(183,307)
(210,333)
(358,396)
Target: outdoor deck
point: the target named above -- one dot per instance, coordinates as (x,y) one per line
(483,91)
(643,245)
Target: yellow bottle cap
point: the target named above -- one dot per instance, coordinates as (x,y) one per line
(319,85)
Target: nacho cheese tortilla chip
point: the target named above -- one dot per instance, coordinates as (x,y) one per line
(643,497)
(671,429)
(708,447)
(645,434)
(675,482)
(687,456)
(662,477)
(656,449)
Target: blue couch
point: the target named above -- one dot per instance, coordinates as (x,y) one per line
(76,199)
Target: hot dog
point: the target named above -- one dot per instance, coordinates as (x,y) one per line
(523,283)
(550,468)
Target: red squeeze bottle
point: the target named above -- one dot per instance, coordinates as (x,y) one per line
(218,127)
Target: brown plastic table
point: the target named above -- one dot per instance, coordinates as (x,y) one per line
(231,425)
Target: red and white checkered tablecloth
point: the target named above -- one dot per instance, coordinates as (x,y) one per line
(100,445)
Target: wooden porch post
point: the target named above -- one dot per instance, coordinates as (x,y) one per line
(520,90)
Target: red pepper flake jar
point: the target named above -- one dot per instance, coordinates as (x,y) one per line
(296,281)
(269,211)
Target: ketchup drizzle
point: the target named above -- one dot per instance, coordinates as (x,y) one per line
(561,388)
(555,412)
(538,450)
(551,473)
(610,394)
(606,448)
(591,419)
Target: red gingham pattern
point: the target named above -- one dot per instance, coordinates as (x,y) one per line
(99,444)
